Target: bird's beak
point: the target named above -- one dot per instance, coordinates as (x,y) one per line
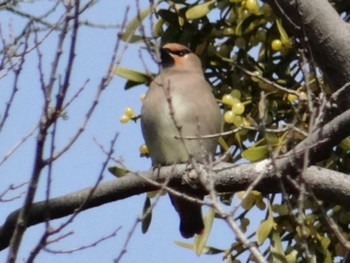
(166,59)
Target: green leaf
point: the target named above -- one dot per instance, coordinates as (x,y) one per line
(246,23)
(201,240)
(248,200)
(325,241)
(118,171)
(272,139)
(152,194)
(286,41)
(199,11)
(134,24)
(158,27)
(129,84)
(265,228)
(328,257)
(207,250)
(282,210)
(134,77)
(223,143)
(238,29)
(147,215)
(184,245)
(278,256)
(255,153)
(277,249)
(292,256)
(135,38)
(244,224)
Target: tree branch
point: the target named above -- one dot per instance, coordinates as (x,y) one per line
(326,184)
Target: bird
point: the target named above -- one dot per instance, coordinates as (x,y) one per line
(180,102)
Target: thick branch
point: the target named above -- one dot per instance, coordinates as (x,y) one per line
(327,185)
(319,143)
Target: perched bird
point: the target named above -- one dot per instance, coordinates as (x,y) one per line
(180,103)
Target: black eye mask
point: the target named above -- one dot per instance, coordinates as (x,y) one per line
(167,60)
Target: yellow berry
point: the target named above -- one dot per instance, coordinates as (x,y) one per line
(253,40)
(228,31)
(252,5)
(238,108)
(245,13)
(129,112)
(225,50)
(303,96)
(237,120)
(256,73)
(236,93)
(124,119)
(143,149)
(240,42)
(229,116)
(266,9)
(245,122)
(292,97)
(229,100)
(261,35)
(276,45)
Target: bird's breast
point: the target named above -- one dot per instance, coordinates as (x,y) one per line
(173,108)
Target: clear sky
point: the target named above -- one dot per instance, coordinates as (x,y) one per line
(79,167)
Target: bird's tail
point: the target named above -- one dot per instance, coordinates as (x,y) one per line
(190,213)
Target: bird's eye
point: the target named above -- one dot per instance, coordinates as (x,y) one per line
(183,52)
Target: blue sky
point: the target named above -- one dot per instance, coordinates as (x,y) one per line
(79,167)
